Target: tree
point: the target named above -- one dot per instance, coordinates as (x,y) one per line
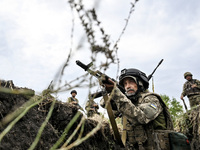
(175,108)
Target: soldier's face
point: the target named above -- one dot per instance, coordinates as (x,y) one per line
(188,78)
(130,86)
(73,94)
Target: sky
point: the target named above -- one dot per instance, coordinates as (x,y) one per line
(35,40)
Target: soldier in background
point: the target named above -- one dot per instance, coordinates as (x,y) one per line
(73,100)
(191,89)
(7,84)
(91,108)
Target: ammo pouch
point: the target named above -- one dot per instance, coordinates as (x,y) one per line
(136,135)
(161,139)
(170,140)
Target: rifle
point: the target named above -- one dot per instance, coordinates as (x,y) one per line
(103,79)
(99,94)
(184,104)
(99,75)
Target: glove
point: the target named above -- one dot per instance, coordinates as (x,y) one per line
(108,84)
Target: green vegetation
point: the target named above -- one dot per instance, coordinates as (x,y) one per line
(175,108)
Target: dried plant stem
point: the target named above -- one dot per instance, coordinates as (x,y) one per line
(66,131)
(34,144)
(34,100)
(79,141)
(16,120)
(74,133)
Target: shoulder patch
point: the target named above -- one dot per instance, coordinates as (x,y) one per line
(150,110)
(153,106)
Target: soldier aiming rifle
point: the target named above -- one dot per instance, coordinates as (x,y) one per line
(147,123)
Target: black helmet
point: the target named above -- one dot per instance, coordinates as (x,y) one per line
(73,91)
(139,75)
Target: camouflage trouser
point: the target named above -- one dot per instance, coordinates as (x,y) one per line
(194,100)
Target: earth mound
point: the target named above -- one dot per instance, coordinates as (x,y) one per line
(23,132)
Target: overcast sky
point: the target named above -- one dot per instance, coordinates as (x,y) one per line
(35,41)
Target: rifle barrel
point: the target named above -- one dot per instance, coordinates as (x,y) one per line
(82,65)
(185,105)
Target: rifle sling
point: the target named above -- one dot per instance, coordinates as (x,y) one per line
(124,130)
(112,121)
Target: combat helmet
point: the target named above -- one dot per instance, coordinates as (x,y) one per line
(187,74)
(73,91)
(137,75)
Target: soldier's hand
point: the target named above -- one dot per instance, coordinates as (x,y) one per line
(74,102)
(182,97)
(194,85)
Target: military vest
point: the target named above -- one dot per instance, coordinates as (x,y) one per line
(142,136)
(189,91)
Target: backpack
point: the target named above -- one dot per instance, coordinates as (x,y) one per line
(178,141)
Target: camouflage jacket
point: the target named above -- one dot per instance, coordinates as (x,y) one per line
(188,90)
(71,99)
(148,113)
(142,112)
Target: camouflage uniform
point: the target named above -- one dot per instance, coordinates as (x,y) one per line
(144,116)
(71,99)
(193,94)
(147,124)
(6,84)
(92,108)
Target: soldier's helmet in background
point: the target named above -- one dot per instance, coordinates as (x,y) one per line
(187,74)
(73,91)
